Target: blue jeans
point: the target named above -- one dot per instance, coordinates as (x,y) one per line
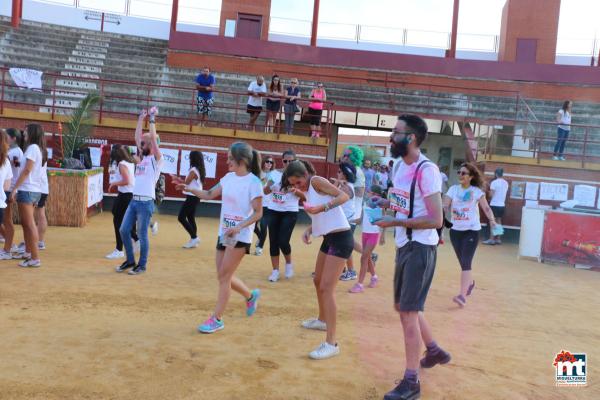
(559,147)
(140,211)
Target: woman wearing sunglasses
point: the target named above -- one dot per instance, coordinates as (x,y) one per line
(462,202)
(260,229)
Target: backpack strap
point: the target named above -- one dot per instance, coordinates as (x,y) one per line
(412,198)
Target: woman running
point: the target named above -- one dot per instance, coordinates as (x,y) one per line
(5,177)
(241,192)
(328,220)
(283,214)
(123,178)
(260,229)
(275,94)
(16,158)
(371,235)
(462,202)
(40,210)
(27,192)
(187,213)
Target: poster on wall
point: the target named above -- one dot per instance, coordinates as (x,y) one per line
(571,238)
(554,191)
(171,158)
(531,190)
(95,189)
(95,155)
(210,163)
(517,190)
(585,195)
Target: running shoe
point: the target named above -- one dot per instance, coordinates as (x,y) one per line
(374,281)
(555,158)
(374,257)
(404,391)
(274,277)
(125,266)
(324,351)
(14,249)
(498,241)
(154,228)
(315,324)
(460,300)
(30,263)
(5,255)
(353,274)
(115,254)
(137,270)
(431,360)
(289,271)
(258,251)
(192,243)
(136,246)
(41,245)
(357,288)
(346,276)
(491,242)
(470,289)
(252,304)
(22,256)
(562,158)
(211,325)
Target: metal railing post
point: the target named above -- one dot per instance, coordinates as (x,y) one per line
(583,155)
(192,111)
(235,117)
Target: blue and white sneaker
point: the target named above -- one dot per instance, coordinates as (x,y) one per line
(211,325)
(252,304)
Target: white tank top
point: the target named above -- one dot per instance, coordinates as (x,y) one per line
(118,177)
(349,206)
(147,173)
(195,183)
(325,222)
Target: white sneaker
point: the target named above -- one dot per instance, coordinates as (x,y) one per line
(136,247)
(555,158)
(23,255)
(324,351)
(191,244)
(289,271)
(41,245)
(115,254)
(274,277)
(314,323)
(258,251)
(154,228)
(30,264)
(5,256)
(14,249)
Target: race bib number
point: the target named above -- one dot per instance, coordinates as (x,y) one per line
(399,200)
(140,169)
(460,214)
(231,221)
(278,197)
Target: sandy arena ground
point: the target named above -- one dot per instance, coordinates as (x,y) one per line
(74,329)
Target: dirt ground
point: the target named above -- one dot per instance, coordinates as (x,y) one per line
(74,329)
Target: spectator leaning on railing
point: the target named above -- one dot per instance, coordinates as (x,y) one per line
(205,84)
(290,107)
(257,90)
(273,102)
(315,109)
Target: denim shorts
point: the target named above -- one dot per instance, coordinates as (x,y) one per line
(28,197)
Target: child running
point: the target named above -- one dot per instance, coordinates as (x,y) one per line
(187,213)
(241,192)
(328,220)
(371,235)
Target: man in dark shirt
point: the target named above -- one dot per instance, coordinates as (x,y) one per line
(205,83)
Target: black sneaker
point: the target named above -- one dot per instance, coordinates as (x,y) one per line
(137,270)
(404,391)
(125,266)
(430,360)
(374,257)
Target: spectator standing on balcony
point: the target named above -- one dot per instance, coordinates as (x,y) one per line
(290,107)
(315,109)
(257,91)
(498,191)
(273,102)
(563,117)
(205,84)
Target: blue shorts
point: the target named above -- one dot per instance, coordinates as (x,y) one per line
(28,197)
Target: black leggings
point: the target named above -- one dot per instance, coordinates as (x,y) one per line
(260,228)
(118,211)
(464,243)
(187,215)
(281,225)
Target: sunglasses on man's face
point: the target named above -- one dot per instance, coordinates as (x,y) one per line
(287,161)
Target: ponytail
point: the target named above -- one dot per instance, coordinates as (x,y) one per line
(255,164)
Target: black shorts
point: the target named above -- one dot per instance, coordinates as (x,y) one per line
(314,116)
(273,105)
(253,109)
(7,197)
(415,265)
(238,245)
(498,211)
(338,244)
(42,202)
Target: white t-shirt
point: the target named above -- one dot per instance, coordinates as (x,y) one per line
(565,120)
(465,207)
(237,193)
(33,183)
(44,176)
(282,200)
(256,101)
(5,174)
(195,183)
(367,226)
(428,183)
(147,173)
(15,153)
(500,188)
(275,177)
(131,169)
